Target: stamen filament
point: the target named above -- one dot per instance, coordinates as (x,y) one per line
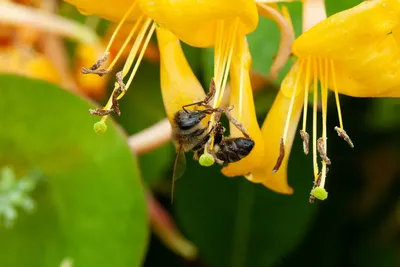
(298,74)
(140,57)
(306,85)
(228,63)
(241,86)
(129,62)
(336,94)
(324,96)
(120,25)
(135,47)
(315,102)
(126,42)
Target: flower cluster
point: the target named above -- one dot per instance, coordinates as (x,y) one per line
(354,52)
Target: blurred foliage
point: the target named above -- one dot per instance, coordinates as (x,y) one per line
(90,205)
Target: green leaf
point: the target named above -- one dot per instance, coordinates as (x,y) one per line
(90,204)
(236,223)
(141,108)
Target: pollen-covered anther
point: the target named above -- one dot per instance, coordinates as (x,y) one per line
(100,112)
(342,133)
(94,69)
(306,140)
(120,81)
(280,158)
(322,151)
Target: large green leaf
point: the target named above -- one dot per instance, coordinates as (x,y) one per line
(141,108)
(90,205)
(237,223)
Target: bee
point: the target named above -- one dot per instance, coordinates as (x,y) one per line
(226,149)
(189,134)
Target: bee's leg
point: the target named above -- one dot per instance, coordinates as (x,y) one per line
(235,122)
(206,100)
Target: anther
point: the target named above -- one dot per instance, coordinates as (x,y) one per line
(100,112)
(115,103)
(280,158)
(321,151)
(306,138)
(120,81)
(342,133)
(95,68)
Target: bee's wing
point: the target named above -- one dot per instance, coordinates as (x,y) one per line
(179,169)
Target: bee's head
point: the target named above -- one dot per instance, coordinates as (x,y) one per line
(188,119)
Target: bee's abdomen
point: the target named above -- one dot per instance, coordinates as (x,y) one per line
(234,149)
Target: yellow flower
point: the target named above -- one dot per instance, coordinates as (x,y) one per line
(223,25)
(353,52)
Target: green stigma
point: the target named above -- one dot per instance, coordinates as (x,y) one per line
(100,127)
(206,160)
(320,193)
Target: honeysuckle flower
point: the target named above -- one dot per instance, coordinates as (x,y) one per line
(222,25)
(353,52)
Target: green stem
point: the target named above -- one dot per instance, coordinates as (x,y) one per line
(242,228)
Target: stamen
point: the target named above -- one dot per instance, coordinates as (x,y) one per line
(304,135)
(323,142)
(285,131)
(120,25)
(141,54)
(229,45)
(336,94)
(126,42)
(222,61)
(315,107)
(120,88)
(280,158)
(241,86)
(95,68)
(340,130)
(321,151)
(342,133)
(306,140)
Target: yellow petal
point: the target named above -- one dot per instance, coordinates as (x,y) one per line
(360,43)
(241,96)
(272,131)
(195,22)
(179,85)
(110,10)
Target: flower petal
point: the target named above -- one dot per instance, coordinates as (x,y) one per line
(179,85)
(113,11)
(241,96)
(272,130)
(360,43)
(194,21)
